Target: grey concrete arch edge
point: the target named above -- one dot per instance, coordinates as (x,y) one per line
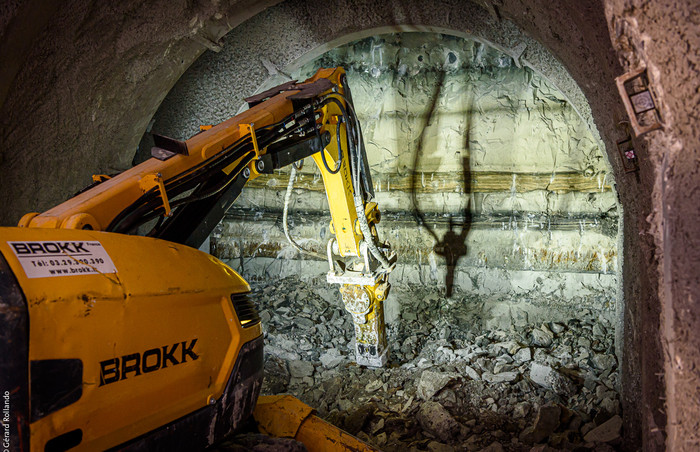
(294,32)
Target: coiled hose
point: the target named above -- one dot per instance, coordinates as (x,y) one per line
(287,198)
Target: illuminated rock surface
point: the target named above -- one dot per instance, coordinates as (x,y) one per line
(488,179)
(428,393)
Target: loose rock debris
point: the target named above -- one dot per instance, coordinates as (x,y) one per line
(450,385)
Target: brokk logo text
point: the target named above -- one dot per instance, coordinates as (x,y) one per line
(49,247)
(133,365)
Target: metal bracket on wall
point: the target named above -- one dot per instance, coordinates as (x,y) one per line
(640,101)
(628,155)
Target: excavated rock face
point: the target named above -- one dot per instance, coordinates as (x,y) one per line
(487,178)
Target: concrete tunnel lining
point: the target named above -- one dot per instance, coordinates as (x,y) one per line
(37,175)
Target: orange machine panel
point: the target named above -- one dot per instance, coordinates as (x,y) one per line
(152,322)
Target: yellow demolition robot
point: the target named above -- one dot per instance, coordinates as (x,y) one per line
(116,340)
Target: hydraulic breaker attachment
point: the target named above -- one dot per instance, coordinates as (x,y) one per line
(287,417)
(358,262)
(364,287)
(366,305)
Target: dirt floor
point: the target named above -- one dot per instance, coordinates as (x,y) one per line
(450,383)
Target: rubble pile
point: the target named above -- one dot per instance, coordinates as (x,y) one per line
(452,381)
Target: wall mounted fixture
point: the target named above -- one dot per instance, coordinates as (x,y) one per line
(640,101)
(628,155)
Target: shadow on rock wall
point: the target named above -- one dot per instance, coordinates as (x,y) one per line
(453,245)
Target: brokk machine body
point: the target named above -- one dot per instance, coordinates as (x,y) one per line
(115,340)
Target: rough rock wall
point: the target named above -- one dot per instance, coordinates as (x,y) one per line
(665,38)
(488,179)
(79,83)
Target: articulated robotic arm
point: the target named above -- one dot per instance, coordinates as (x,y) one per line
(185,190)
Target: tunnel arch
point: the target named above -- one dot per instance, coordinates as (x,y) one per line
(283,46)
(543,63)
(50,122)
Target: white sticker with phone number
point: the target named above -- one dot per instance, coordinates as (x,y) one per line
(60,258)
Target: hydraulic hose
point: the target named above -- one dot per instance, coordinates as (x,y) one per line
(356,156)
(145,207)
(367,233)
(339,162)
(351,135)
(287,197)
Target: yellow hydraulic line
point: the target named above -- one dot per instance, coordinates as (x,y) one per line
(156,180)
(287,417)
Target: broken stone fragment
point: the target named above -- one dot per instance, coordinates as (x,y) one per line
(359,418)
(431,382)
(435,419)
(611,405)
(510,346)
(562,353)
(265,316)
(583,342)
(362,436)
(546,423)
(485,364)
(300,369)
(377,426)
(372,386)
(519,316)
(345,404)
(305,346)
(541,356)
(409,316)
(331,358)
(502,366)
(521,410)
(557,327)
(472,373)
(434,446)
(603,362)
(523,355)
(543,448)
(541,374)
(503,377)
(599,330)
(587,427)
(606,432)
(304,323)
(445,333)
(493,447)
(276,375)
(563,440)
(549,378)
(281,353)
(542,338)
(448,397)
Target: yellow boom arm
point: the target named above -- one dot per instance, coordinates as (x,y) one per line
(184,190)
